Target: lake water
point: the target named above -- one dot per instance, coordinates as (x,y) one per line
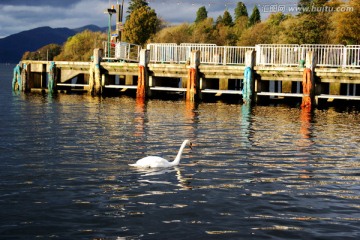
(266,172)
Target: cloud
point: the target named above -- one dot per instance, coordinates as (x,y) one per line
(53,3)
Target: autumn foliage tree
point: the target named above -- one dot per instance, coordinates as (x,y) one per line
(346,24)
(80,47)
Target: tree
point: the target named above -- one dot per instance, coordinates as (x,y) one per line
(219,20)
(276,18)
(174,34)
(304,29)
(141,26)
(346,24)
(310,6)
(240,26)
(203,32)
(258,34)
(304,3)
(135,4)
(227,19)
(224,35)
(240,11)
(255,16)
(201,14)
(80,47)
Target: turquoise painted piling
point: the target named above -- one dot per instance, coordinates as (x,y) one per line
(52,78)
(248,82)
(17,83)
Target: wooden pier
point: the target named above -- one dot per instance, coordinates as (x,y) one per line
(277,71)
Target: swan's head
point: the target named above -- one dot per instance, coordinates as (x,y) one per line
(189,143)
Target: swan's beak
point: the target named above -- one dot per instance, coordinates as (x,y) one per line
(190,145)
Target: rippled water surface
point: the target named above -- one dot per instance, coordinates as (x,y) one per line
(267,172)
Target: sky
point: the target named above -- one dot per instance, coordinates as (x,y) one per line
(21,15)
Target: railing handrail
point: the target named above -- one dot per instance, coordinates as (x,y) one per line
(328,55)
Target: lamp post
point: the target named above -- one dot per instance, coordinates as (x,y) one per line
(109,11)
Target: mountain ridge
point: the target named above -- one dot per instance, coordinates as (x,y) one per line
(14,46)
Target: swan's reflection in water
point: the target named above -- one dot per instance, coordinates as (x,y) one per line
(156,176)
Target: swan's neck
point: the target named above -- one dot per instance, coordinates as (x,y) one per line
(178,156)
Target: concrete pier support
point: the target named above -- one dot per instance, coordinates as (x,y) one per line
(143,76)
(193,76)
(95,73)
(25,76)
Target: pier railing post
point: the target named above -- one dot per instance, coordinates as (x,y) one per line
(248,87)
(143,76)
(193,76)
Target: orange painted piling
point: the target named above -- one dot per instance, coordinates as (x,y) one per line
(140,92)
(192,82)
(191,85)
(307,88)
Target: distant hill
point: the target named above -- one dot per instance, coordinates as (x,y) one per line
(14,46)
(93,28)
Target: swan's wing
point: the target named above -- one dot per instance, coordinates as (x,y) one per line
(150,162)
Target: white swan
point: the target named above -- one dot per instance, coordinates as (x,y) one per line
(158,162)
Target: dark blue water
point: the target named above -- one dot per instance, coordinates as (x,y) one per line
(269,172)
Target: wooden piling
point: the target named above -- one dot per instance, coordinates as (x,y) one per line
(193,76)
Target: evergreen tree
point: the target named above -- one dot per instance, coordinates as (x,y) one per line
(135,4)
(240,11)
(219,20)
(201,14)
(255,16)
(227,19)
